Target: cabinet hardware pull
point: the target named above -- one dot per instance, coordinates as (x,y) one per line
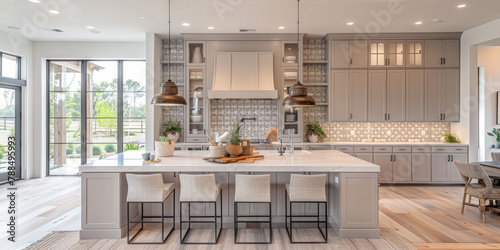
(389,61)
(175,174)
(448,158)
(451,157)
(385,61)
(362,149)
(444,117)
(394,157)
(382,149)
(391,158)
(441,60)
(385,117)
(440,149)
(351,61)
(350,115)
(388,117)
(402,149)
(444,60)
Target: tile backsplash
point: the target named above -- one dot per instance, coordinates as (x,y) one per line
(224,113)
(383,131)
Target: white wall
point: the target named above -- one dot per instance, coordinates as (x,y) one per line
(467,128)
(489,57)
(19,46)
(42,51)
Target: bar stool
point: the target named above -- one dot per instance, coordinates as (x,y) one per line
(252,189)
(306,189)
(200,189)
(149,189)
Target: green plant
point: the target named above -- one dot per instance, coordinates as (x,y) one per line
(69,150)
(171,126)
(315,129)
(450,138)
(131,147)
(495,133)
(235,134)
(109,148)
(78,149)
(70,145)
(162,138)
(96,150)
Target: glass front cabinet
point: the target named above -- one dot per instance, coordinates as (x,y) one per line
(196,129)
(386,54)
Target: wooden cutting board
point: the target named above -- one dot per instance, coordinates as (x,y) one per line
(225,159)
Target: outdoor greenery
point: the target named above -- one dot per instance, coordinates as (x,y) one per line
(315,129)
(235,134)
(69,150)
(78,149)
(110,148)
(96,150)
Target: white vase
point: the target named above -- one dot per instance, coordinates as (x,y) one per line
(197,56)
(313,138)
(164,148)
(173,136)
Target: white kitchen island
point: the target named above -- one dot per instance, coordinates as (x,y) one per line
(352,188)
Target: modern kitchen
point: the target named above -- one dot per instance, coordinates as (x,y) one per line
(379,131)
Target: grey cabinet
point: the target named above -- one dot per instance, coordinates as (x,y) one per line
(348,95)
(394,162)
(364,156)
(442,95)
(442,53)
(386,54)
(384,160)
(401,167)
(443,168)
(349,54)
(414,53)
(421,165)
(415,96)
(386,95)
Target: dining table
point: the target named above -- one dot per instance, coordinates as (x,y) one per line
(492,168)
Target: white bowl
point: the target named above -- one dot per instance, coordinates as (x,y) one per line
(196,118)
(290,58)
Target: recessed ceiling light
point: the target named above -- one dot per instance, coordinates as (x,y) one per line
(35,1)
(143,17)
(89,27)
(418,22)
(281,27)
(210,28)
(13,27)
(55,12)
(185,24)
(462,6)
(350,23)
(95,31)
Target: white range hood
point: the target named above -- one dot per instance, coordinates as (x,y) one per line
(243,75)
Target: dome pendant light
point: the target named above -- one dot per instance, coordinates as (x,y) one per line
(169,95)
(298,95)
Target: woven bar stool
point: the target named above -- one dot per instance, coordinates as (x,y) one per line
(200,189)
(252,189)
(306,189)
(149,189)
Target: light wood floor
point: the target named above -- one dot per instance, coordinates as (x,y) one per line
(428,217)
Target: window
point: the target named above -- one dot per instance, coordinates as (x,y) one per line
(9,66)
(111,115)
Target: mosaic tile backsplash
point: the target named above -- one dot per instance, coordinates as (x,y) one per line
(376,131)
(226,112)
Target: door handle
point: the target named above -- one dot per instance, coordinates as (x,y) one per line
(441,60)
(351,61)
(444,117)
(444,60)
(394,158)
(451,157)
(388,116)
(448,158)
(388,61)
(385,61)
(391,158)
(350,115)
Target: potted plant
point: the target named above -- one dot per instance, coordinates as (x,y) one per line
(314,132)
(171,129)
(495,133)
(234,147)
(164,146)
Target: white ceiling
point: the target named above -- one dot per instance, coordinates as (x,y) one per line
(120,20)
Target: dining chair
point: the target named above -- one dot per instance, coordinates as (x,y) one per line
(482,190)
(495,156)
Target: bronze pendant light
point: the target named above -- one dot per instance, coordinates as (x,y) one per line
(169,95)
(298,97)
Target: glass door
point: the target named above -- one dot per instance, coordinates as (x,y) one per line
(10,132)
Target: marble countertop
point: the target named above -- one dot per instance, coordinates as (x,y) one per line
(191,161)
(417,144)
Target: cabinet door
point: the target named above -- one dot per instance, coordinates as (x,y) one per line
(377,95)
(421,167)
(377,54)
(396,96)
(414,53)
(451,95)
(415,95)
(339,96)
(433,79)
(453,170)
(385,163)
(364,156)
(358,95)
(395,54)
(433,53)
(340,54)
(440,167)
(359,54)
(451,53)
(401,167)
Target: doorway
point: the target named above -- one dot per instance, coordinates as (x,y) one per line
(10,132)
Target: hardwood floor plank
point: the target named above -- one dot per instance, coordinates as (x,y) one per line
(456,246)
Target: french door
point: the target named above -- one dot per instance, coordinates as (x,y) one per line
(10,132)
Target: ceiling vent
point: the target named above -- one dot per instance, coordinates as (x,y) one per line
(57,30)
(247,30)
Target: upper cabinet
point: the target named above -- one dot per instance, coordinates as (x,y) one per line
(290,54)
(442,53)
(348,54)
(386,54)
(386,95)
(348,95)
(442,95)
(414,53)
(195,53)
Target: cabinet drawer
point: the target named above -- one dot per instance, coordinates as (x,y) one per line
(363,149)
(449,150)
(345,149)
(401,149)
(195,139)
(382,149)
(421,149)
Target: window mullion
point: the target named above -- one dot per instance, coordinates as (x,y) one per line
(119,127)
(83,112)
